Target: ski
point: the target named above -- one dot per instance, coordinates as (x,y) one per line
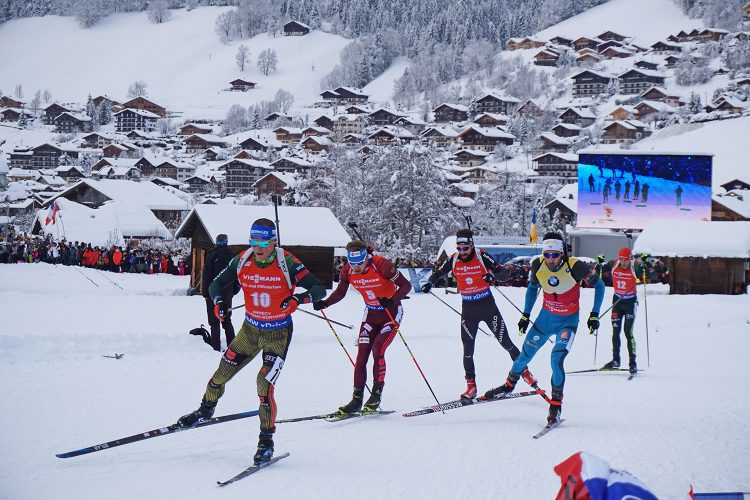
(252,470)
(338,417)
(548,428)
(592,370)
(459,403)
(171,429)
(303,419)
(632,375)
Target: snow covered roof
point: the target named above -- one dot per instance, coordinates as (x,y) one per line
(555,139)
(737,200)
(137,193)
(105,225)
(168,181)
(645,72)
(457,107)
(568,196)
(444,131)
(299,226)
(657,105)
(287,178)
(82,117)
(569,126)
(495,116)
(488,132)
(669,238)
(142,112)
(582,112)
(572,157)
(462,201)
(499,97)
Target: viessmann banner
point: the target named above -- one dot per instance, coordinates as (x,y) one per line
(628,190)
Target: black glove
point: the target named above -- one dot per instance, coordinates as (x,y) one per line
(523,323)
(321,304)
(490,278)
(288,301)
(385,302)
(427,287)
(593,322)
(220,309)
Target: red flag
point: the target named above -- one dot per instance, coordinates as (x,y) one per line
(51,213)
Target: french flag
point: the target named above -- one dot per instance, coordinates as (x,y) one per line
(52,213)
(587,477)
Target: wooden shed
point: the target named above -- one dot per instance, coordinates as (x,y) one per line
(703,257)
(310,233)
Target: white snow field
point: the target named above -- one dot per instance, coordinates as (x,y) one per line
(682,421)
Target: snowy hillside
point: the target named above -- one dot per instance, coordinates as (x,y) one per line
(183,61)
(646,20)
(678,423)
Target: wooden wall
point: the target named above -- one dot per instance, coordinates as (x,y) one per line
(696,275)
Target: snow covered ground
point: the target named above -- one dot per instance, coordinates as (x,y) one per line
(681,421)
(182,60)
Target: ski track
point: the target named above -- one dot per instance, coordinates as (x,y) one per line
(677,423)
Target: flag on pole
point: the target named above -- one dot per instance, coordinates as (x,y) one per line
(52,213)
(587,477)
(532,234)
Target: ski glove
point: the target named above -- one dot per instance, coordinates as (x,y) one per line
(490,278)
(593,322)
(426,287)
(385,302)
(292,302)
(220,310)
(523,323)
(321,304)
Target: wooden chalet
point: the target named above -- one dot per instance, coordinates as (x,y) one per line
(548,56)
(524,43)
(53,111)
(622,112)
(729,105)
(588,58)
(275,183)
(9,102)
(68,121)
(746,12)
(316,131)
(566,130)
(115,150)
(96,140)
(294,165)
(197,143)
(712,35)
(624,132)
(382,116)
(413,125)
(355,109)
(13,114)
(552,142)
(391,135)
(661,95)
(642,64)
(563,166)
(288,135)
(279,118)
(212,153)
(130,119)
(349,124)
(589,83)
(198,184)
(665,48)
(491,119)
(194,128)
(583,117)
(45,155)
(616,53)
(484,138)
(561,40)
(637,81)
(715,262)
(528,108)
(146,105)
(324,121)
(98,100)
(470,157)
(611,35)
(295,28)
(493,103)
(345,95)
(584,42)
(70,173)
(733,205)
(448,113)
(441,137)
(671,61)
(316,144)
(310,233)
(257,144)
(241,85)
(653,109)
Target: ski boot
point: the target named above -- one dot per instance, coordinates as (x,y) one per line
(555,407)
(471,389)
(265,448)
(503,390)
(612,365)
(205,412)
(529,378)
(355,404)
(633,366)
(373,402)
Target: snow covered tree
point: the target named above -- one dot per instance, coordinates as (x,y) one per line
(36,102)
(235,121)
(223,26)
(158,11)
(137,89)
(18,91)
(267,61)
(89,12)
(22,122)
(242,57)
(46,95)
(695,104)
(104,112)
(90,108)
(283,99)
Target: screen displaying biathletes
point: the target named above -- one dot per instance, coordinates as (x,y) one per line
(627,191)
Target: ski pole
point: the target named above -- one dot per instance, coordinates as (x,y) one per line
(342,345)
(311,314)
(596,343)
(457,312)
(398,330)
(517,309)
(82,274)
(645,308)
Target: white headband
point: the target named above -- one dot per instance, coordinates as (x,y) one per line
(554,245)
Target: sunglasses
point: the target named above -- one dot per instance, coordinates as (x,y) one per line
(463,248)
(551,255)
(260,244)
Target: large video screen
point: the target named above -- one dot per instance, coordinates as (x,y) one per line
(628,190)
